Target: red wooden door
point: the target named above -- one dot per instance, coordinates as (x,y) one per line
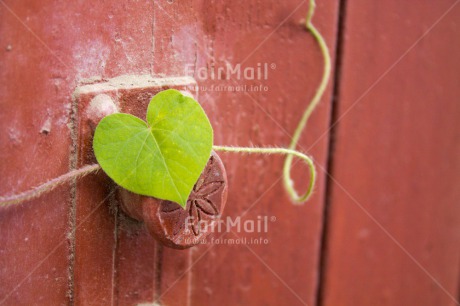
(394,217)
(383,226)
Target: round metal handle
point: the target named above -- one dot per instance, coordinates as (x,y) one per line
(169,223)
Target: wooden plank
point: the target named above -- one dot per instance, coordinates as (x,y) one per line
(43,57)
(396,158)
(35,141)
(107,266)
(175,48)
(135,264)
(286,273)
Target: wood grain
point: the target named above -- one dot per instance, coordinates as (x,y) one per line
(393,226)
(34,248)
(284,271)
(394,221)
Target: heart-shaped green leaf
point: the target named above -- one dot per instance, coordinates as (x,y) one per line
(162,157)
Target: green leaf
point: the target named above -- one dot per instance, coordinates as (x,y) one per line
(162,157)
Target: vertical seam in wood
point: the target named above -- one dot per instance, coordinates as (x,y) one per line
(158,255)
(458,281)
(189,276)
(152,67)
(73,158)
(322,267)
(190,251)
(158,267)
(114,206)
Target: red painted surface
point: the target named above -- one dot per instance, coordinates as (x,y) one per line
(396,153)
(396,158)
(54,45)
(34,248)
(232,31)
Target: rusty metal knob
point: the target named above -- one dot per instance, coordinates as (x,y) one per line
(169,223)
